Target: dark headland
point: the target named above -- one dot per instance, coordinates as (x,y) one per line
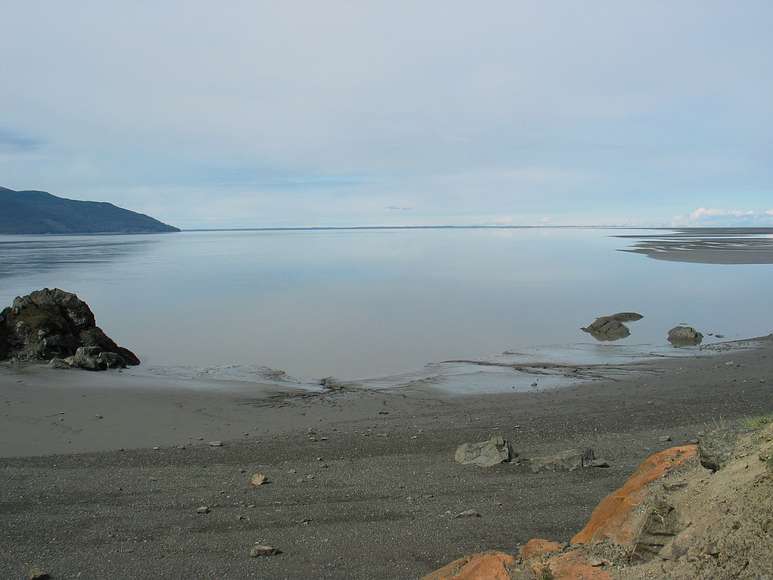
(39,212)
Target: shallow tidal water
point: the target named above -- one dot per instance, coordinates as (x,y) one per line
(388,305)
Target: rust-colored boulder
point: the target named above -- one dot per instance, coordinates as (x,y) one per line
(572,565)
(611,520)
(485,566)
(537,547)
(615,520)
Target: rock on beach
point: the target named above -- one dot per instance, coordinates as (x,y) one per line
(58,327)
(484,454)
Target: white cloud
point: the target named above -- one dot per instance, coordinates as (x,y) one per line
(706,216)
(303,113)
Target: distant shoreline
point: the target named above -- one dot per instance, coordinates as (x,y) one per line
(698,229)
(724,230)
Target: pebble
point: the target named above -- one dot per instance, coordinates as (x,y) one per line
(36,573)
(468,514)
(597,562)
(258,479)
(215,443)
(203,510)
(664,439)
(259,550)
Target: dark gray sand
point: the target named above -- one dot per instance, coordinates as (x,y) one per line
(707,245)
(368,493)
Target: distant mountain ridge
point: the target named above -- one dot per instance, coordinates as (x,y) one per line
(39,212)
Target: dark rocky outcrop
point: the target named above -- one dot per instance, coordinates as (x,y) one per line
(54,324)
(608,328)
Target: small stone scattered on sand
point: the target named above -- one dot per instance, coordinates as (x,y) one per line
(215,443)
(468,514)
(259,550)
(258,479)
(36,573)
(203,510)
(484,454)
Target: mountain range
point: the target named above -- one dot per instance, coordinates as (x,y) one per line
(39,212)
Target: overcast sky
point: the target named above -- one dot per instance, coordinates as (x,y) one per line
(220,114)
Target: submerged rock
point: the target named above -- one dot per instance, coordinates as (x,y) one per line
(684,336)
(609,328)
(485,454)
(54,324)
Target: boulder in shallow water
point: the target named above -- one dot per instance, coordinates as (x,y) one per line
(684,336)
(626,317)
(609,328)
(484,454)
(54,324)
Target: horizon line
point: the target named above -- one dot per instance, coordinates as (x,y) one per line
(472,227)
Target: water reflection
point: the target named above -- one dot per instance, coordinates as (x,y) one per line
(375,303)
(23,256)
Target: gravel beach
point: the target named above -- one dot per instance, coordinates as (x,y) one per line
(101,480)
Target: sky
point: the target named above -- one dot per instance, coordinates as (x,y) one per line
(268,114)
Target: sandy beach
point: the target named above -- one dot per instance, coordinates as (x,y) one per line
(102,477)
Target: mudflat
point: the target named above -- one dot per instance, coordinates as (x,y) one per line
(103,477)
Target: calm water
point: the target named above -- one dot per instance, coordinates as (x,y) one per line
(371,303)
